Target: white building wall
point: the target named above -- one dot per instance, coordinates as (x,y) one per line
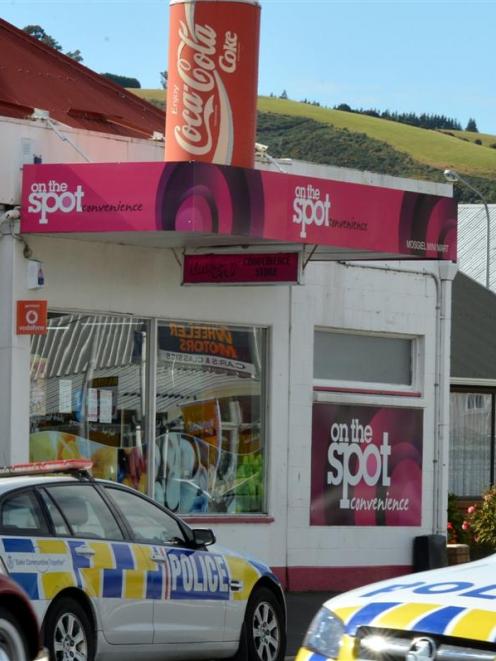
(357,297)
(89,276)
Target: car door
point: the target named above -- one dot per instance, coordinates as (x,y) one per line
(107,567)
(189,587)
(27,550)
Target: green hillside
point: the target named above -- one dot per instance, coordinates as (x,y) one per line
(433,148)
(335,137)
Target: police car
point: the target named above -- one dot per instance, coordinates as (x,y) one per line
(112,575)
(447,613)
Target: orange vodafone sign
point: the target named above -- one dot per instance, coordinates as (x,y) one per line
(31,318)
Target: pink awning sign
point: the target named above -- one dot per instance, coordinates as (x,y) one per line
(211,199)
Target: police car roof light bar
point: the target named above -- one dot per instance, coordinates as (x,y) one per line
(81,466)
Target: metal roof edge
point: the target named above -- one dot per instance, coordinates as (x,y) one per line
(307,168)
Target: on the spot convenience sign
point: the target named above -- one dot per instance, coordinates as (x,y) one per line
(31,317)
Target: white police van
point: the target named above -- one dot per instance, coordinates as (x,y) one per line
(113,575)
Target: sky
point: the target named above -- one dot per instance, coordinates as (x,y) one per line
(430,56)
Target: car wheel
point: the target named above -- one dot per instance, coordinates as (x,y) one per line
(69,635)
(13,643)
(264,628)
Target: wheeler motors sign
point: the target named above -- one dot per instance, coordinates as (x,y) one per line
(204,198)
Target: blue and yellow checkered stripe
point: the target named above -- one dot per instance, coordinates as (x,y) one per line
(119,570)
(442,619)
(475,624)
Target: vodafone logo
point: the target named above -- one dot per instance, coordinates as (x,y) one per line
(310,209)
(31,317)
(52,196)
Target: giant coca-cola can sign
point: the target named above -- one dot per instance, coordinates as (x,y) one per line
(212,81)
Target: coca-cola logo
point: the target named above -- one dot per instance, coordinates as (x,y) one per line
(201,92)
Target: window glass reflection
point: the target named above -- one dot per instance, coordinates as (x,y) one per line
(88,376)
(210,454)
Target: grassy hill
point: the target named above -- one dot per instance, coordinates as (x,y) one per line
(321,135)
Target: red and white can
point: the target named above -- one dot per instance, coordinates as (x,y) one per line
(212,81)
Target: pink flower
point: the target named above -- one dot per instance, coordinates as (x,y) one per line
(450,525)
(471,509)
(466,525)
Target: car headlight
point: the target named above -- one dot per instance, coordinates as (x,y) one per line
(325,634)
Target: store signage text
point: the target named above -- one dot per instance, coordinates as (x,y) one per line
(352,444)
(250,268)
(310,209)
(366,465)
(31,317)
(52,196)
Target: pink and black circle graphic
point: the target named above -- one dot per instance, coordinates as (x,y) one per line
(212,199)
(427,226)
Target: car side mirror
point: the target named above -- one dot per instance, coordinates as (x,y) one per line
(203,537)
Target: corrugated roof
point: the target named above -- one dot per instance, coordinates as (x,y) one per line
(472,242)
(33,75)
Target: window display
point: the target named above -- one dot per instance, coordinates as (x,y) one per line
(472,442)
(88,376)
(89,398)
(210,451)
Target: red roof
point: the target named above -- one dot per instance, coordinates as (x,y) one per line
(33,75)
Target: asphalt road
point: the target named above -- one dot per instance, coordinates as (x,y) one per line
(302,606)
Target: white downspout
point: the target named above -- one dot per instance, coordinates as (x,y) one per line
(447,272)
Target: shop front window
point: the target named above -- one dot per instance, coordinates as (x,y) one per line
(88,394)
(210,452)
(472,443)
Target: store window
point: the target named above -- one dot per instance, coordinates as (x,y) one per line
(210,451)
(472,443)
(357,359)
(88,394)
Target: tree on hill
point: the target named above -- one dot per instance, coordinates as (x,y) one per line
(123,81)
(284,95)
(472,126)
(75,55)
(39,33)
(164,79)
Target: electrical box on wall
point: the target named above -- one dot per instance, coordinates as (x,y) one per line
(35,275)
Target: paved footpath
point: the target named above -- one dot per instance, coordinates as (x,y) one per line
(302,606)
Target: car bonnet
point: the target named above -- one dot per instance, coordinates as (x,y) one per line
(458,601)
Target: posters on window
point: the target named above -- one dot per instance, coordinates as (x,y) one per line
(125,465)
(38,373)
(366,465)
